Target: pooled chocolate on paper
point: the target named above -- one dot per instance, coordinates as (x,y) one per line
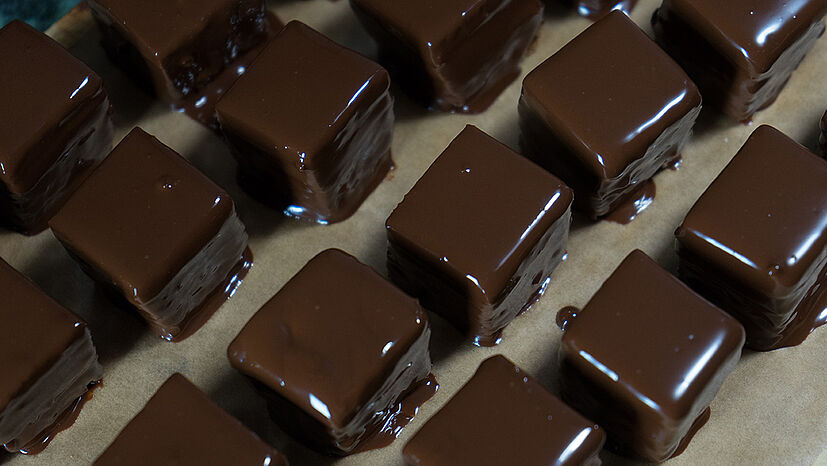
(755,243)
(503,416)
(54,126)
(181,425)
(340,354)
(454,55)
(606,113)
(48,364)
(742,54)
(645,358)
(479,235)
(157,234)
(311,125)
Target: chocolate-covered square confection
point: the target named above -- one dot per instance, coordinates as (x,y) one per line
(645,358)
(453,55)
(478,236)
(755,243)
(181,425)
(598,8)
(607,112)
(503,416)
(54,126)
(340,354)
(48,364)
(740,55)
(157,233)
(175,48)
(311,123)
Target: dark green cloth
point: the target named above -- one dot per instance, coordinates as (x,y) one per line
(39,13)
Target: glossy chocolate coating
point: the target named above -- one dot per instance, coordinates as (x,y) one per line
(454,55)
(311,123)
(54,126)
(740,55)
(181,425)
(154,229)
(175,48)
(334,352)
(596,9)
(755,243)
(644,107)
(45,358)
(478,236)
(503,416)
(645,358)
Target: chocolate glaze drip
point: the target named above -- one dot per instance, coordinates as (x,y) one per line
(339,353)
(755,243)
(503,401)
(741,56)
(453,55)
(49,364)
(644,117)
(312,135)
(181,425)
(157,232)
(51,138)
(477,238)
(645,362)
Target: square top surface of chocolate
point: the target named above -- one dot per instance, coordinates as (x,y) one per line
(652,338)
(765,216)
(432,27)
(480,208)
(750,33)
(40,85)
(330,338)
(142,215)
(34,333)
(300,93)
(160,28)
(609,93)
(183,426)
(503,416)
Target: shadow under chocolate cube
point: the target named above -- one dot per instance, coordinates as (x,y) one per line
(340,354)
(54,126)
(157,234)
(645,358)
(742,54)
(453,55)
(605,114)
(181,425)
(175,48)
(755,243)
(49,364)
(478,236)
(311,125)
(503,416)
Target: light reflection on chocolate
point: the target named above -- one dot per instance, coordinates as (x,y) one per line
(755,243)
(740,56)
(596,9)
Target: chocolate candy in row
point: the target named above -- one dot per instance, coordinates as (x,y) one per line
(311,125)
(157,234)
(340,355)
(504,416)
(645,358)
(54,126)
(478,236)
(48,363)
(755,243)
(740,55)
(453,55)
(183,426)
(607,112)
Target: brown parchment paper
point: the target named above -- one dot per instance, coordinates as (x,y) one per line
(771,411)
